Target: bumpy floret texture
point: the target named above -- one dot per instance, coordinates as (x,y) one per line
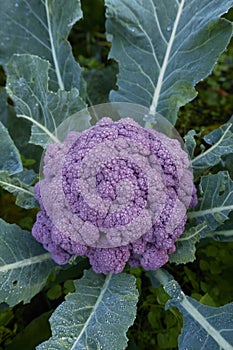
(115,193)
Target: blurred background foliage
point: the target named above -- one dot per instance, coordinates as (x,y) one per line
(209,279)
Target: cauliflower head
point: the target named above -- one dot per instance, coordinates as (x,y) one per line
(115,193)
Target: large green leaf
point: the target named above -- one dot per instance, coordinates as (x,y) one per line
(164,48)
(27,85)
(9,156)
(221,143)
(186,244)
(96,316)
(24,265)
(24,193)
(217,200)
(41,27)
(204,327)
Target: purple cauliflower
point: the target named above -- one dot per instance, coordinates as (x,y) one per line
(115,193)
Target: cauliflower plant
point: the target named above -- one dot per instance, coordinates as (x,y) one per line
(115,193)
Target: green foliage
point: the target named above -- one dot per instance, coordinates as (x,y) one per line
(213,105)
(204,326)
(162,76)
(24,265)
(186,244)
(41,28)
(10,160)
(216,200)
(89,315)
(220,143)
(45,109)
(24,193)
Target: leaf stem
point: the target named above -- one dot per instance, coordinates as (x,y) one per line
(42,127)
(156,96)
(26,262)
(195,214)
(17,188)
(92,314)
(197,316)
(60,82)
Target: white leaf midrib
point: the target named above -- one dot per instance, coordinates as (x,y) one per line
(25,262)
(39,125)
(199,318)
(99,300)
(195,214)
(16,188)
(156,96)
(57,69)
(211,149)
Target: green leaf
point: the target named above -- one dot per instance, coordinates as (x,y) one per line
(9,158)
(41,28)
(224,233)
(96,316)
(204,327)
(27,85)
(186,245)
(190,142)
(164,48)
(19,129)
(24,193)
(217,200)
(221,142)
(24,265)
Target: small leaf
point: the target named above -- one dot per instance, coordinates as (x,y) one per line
(221,141)
(27,85)
(164,48)
(205,327)
(24,265)
(217,200)
(41,28)
(9,156)
(25,193)
(190,142)
(186,245)
(96,316)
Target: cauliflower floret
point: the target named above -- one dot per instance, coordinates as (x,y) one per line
(115,193)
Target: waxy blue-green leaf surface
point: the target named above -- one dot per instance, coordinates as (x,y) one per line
(24,193)
(24,265)
(186,244)
(10,160)
(41,27)
(220,143)
(224,233)
(216,201)
(164,48)
(204,327)
(96,316)
(27,85)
